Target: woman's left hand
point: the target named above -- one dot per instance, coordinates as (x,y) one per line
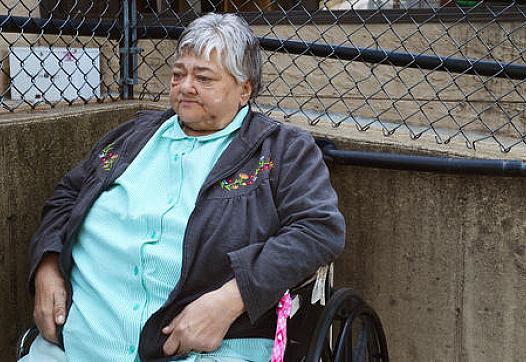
(202,324)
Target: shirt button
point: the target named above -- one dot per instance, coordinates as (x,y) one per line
(136,270)
(136,307)
(131,349)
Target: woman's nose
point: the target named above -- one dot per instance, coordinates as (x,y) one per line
(187,85)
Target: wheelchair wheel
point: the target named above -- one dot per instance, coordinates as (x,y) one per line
(359,333)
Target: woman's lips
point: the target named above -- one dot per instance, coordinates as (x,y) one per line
(187,102)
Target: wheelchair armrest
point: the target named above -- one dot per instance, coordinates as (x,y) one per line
(24,342)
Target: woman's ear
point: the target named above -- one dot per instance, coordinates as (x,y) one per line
(246,92)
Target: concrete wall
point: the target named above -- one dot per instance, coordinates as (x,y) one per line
(441,257)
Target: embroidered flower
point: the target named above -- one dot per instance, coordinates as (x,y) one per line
(107,157)
(245,179)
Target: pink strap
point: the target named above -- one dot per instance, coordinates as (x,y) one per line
(280,341)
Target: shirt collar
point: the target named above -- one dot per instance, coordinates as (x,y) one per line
(175,131)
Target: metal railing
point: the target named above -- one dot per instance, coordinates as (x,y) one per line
(454,70)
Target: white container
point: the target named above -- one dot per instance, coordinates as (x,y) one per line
(41,74)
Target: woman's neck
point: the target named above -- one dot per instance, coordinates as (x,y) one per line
(189,131)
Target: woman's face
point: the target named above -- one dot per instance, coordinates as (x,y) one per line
(204,95)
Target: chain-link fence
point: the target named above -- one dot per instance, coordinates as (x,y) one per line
(453,69)
(54,52)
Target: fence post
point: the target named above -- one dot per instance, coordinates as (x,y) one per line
(128,49)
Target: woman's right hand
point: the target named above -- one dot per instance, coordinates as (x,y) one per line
(50,297)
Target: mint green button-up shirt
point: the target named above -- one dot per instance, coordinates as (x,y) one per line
(128,253)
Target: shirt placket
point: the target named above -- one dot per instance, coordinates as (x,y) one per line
(137,306)
(155,227)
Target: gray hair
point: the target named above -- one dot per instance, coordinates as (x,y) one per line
(236,46)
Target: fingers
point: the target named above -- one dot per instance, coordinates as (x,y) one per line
(50,297)
(44,320)
(171,345)
(176,342)
(201,326)
(168,329)
(181,351)
(59,311)
(50,311)
(171,327)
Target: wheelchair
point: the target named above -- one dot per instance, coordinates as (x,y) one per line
(346,329)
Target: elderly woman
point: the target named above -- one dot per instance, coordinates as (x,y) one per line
(176,237)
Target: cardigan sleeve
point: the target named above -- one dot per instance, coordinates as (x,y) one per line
(311,234)
(57,209)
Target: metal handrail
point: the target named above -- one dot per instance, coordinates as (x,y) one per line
(396,161)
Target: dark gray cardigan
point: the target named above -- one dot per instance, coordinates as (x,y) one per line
(269,235)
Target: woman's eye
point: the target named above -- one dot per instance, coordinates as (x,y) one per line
(203,78)
(177,76)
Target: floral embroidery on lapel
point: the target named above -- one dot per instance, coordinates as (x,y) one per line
(107,157)
(244,179)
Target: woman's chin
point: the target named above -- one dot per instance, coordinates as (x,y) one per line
(190,118)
